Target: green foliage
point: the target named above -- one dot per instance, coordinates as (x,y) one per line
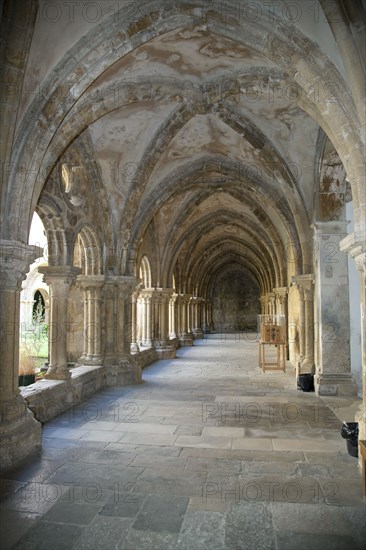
(34,342)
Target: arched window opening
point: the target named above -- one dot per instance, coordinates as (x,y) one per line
(39,308)
(145,272)
(34,307)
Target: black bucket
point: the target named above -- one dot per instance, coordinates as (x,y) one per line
(305,382)
(349,432)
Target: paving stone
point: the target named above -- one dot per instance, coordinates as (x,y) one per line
(188,430)
(253,443)
(91,493)
(9,487)
(357,519)
(305,518)
(75,472)
(34,471)
(202,530)
(35,498)
(13,526)
(146,428)
(71,444)
(169,509)
(172,482)
(206,505)
(270,467)
(99,435)
(289,541)
(124,504)
(104,533)
(213,464)
(45,535)
(107,457)
(148,540)
(63,454)
(72,512)
(223,432)
(307,445)
(249,526)
(154,450)
(159,462)
(202,441)
(146,438)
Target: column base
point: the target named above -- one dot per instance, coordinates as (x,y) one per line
(134,348)
(335,384)
(58,372)
(198,334)
(186,340)
(20,435)
(175,342)
(92,360)
(168,352)
(146,344)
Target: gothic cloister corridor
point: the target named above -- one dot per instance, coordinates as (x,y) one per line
(170,169)
(207,453)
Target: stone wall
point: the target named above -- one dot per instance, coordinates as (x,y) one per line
(235,302)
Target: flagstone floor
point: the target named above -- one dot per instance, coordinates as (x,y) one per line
(207,453)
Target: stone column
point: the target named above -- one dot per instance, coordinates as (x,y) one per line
(333,375)
(305,285)
(162,344)
(204,315)
(173,317)
(27,311)
(197,325)
(134,346)
(200,306)
(20,433)
(148,303)
(281,295)
(92,286)
(298,331)
(189,316)
(145,300)
(355,245)
(185,338)
(271,303)
(122,368)
(210,317)
(59,279)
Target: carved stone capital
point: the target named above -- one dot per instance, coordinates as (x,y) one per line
(355,245)
(90,281)
(59,275)
(15,259)
(304,283)
(281,293)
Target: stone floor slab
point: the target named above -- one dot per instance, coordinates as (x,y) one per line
(202,530)
(45,535)
(104,533)
(169,509)
(148,540)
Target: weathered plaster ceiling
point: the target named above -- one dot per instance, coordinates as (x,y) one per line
(227,155)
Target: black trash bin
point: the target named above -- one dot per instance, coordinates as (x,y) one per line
(305,382)
(349,432)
